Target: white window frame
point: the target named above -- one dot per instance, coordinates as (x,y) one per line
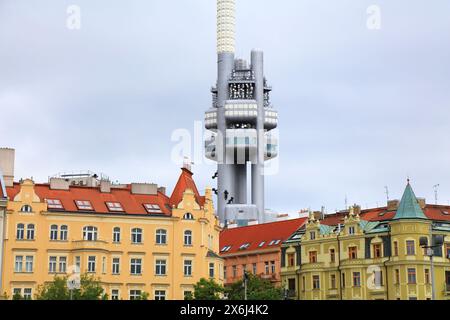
(137,236)
(160,265)
(136,266)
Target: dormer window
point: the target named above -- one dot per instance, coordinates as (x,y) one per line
(26,208)
(244,246)
(225,249)
(262,243)
(152,208)
(114,206)
(84,205)
(54,204)
(351,230)
(188,216)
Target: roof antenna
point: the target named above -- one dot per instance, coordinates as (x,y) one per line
(346,203)
(436,190)
(386,192)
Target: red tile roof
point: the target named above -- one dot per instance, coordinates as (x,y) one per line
(256,234)
(131,203)
(434,212)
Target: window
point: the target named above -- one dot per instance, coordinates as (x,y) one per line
(160,295)
(234,271)
(410,248)
(254,268)
(316,282)
(116,235)
(187,268)
(377,250)
(161,236)
(267,267)
(312,256)
(397,276)
(27,293)
(343,280)
(91,264)
(272,267)
(291,259)
(188,238)
(136,266)
(104,265)
(63,233)
(62,264)
(90,233)
(188,216)
(211,270)
(304,283)
(20,233)
(30,232)
(29,264)
(411,275)
(84,205)
(78,264)
(54,232)
(277,242)
(312,235)
(396,248)
(427,276)
(225,249)
(244,246)
(54,204)
(114,294)
(135,294)
(160,267)
(18,264)
(152,208)
(52,264)
(351,230)
(352,253)
(114,207)
(447,250)
(26,208)
(333,281)
(356,279)
(332,255)
(116,266)
(271,243)
(261,244)
(378,278)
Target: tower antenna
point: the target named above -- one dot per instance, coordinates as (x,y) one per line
(386,192)
(436,190)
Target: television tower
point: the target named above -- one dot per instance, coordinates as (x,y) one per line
(240,121)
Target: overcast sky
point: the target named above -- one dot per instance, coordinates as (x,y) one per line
(359,109)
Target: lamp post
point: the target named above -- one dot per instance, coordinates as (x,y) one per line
(245,284)
(436,243)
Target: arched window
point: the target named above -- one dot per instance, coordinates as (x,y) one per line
(30,232)
(63,233)
(54,232)
(116,235)
(26,208)
(90,233)
(188,216)
(188,238)
(136,235)
(20,231)
(161,236)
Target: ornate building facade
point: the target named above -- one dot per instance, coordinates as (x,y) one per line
(372,254)
(134,237)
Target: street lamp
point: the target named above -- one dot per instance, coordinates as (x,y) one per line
(245,284)
(436,242)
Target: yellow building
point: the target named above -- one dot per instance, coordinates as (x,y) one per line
(370,255)
(133,237)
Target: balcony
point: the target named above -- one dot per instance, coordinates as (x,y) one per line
(89,245)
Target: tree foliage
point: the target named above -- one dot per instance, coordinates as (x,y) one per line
(257,289)
(90,289)
(208,290)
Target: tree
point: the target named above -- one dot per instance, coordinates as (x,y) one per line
(207,290)
(90,289)
(257,289)
(17,296)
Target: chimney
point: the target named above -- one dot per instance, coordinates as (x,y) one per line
(392,205)
(144,188)
(162,190)
(105,186)
(7,158)
(59,184)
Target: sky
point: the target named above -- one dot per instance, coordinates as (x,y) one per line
(359,108)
